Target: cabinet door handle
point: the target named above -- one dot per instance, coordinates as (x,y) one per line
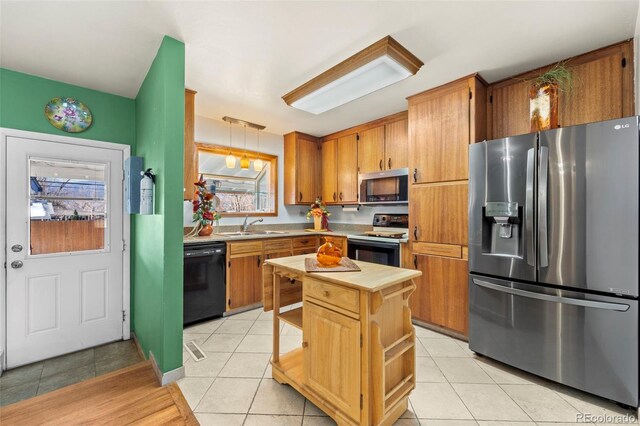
(301,196)
(415,175)
(334,196)
(389,163)
(381,164)
(259,260)
(415,261)
(341,196)
(415,232)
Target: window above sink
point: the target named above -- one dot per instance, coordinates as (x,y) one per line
(238,191)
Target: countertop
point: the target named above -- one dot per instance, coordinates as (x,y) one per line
(285,234)
(372,277)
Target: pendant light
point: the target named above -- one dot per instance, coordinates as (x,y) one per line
(244,161)
(231,159)
(258,164)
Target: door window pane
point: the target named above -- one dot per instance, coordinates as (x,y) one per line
(68,206)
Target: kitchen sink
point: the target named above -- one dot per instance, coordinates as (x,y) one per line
(240,233)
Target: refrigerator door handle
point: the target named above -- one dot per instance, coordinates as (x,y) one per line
(528,213)
(621,307)
(542,207)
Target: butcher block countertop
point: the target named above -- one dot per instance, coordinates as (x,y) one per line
(372,277)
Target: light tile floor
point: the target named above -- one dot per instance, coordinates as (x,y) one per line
(233,386)
(45,376)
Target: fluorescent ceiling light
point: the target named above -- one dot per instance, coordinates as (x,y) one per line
(379,65)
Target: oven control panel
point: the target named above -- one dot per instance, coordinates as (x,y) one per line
(394,220)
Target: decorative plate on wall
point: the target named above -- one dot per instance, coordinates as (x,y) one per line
(68,114)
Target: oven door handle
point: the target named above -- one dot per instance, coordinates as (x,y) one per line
(380,244)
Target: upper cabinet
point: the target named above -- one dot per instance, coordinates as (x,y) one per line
(603,90)
(301,168)
(442,123)
(340,170)
(383,147)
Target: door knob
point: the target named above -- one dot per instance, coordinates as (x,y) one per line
(16,248)
(16,264)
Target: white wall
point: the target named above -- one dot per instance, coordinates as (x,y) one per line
(217,132)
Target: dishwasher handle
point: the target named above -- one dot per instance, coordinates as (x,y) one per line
(621,307)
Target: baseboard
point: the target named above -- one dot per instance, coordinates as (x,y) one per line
(138,345)
(441,330)
(169,376)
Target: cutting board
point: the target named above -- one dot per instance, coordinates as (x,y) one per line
(386,234)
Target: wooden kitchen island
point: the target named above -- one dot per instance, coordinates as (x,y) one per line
(357,360)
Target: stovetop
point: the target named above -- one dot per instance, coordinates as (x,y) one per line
(383,223)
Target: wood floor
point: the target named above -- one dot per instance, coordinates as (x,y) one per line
(128,396)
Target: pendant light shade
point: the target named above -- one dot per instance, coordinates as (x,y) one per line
(258,165)
(244,161)
(231,159)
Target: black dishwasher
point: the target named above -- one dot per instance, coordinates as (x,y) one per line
(204,281)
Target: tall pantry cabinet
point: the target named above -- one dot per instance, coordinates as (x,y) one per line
(442,123)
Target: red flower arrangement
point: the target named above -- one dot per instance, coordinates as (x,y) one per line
(203,207)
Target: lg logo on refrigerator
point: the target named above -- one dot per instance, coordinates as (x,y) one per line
(621,126)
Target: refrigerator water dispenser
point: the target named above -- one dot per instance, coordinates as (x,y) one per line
(502,231)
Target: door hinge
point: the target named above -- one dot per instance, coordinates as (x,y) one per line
(123,175)
(124,246)
(5,265)
(361,401)
(229,302)
(229,265)
(357,136)
(490,99)
(124,316)
(624,62)
(361,340)
(470,94)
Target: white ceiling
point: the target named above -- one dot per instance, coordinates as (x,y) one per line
(242,57)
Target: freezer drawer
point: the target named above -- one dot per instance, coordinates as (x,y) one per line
(584,341)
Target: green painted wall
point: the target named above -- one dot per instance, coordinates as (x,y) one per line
(23,97)
(157,259)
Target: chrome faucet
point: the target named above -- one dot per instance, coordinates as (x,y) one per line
(245,226)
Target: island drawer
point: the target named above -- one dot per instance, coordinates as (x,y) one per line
(304,242)
(277,245)
(244,247)
(342,297)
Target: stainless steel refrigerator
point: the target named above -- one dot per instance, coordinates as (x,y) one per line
(553,255)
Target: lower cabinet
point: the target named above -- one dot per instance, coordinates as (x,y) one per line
(331,348)
(244,285)
(441,296)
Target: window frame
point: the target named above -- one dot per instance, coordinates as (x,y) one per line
(253,155)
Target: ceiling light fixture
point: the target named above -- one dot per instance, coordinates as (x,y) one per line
(383,63)
(231,159)
(244,161)
(258,165)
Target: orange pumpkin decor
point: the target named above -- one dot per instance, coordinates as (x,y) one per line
(329,254)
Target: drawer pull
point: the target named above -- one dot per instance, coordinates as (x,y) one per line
(325,293)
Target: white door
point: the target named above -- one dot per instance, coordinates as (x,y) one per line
(64,248)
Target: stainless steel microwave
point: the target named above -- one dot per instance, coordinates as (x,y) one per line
(388,187)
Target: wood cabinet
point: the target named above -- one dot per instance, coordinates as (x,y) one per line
(438,213)
(441,292)
(190,174)
(442,123)
(244,280)
(301,168)
(340,170)
(396,144)
(332,357)
(371,153)
(603,90)
(383,147)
